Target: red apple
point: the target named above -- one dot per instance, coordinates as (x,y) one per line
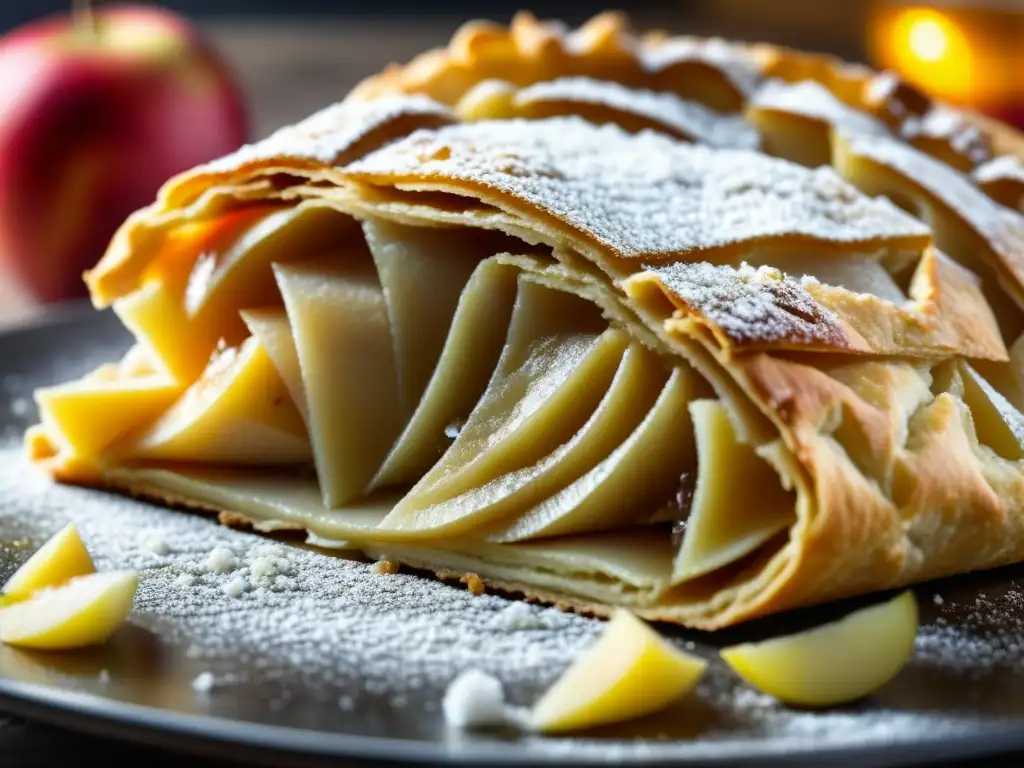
(95,114)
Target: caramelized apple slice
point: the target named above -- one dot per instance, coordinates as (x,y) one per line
(339,320)
(470,353)
(60,559)
(629,672)
(835,663)
(84,611)
(739,502)
(638,475)
(238,412)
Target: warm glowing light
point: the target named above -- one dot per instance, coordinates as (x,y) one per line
(929,48)
(928,40)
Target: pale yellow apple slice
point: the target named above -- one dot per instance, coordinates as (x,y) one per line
(270,326)
(629,672)
(272,499)
(422,272)
(835,663)
(339,320)
(89,415)
(60,559)
(638,475)
(84,611)
(997,423)
(546,387)
(155,315)
(630,396)
(471,351)
(209,270)
(728,519)
(238,412)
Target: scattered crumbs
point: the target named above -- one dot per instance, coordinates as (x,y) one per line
(285,584)
(221,560)
(158,546)
(452,430)
(185,580)
(690,645)
(474,698)
(347,703)
(103,676)
(235,587)
(263,567)
(20,406)
(203,682)
(517,616)
(938,600)
(385,567)
(474,583)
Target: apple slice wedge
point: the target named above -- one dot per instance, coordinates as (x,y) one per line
(629,672)
(60,559)
(835,663)
(83,612)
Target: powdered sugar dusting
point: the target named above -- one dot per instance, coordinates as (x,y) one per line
(382,649)
(688,120)
(643,195)
(732,60)
(327,135)
(749,305)
(810,99)
(949,125)
(1001,227)
(1002,168)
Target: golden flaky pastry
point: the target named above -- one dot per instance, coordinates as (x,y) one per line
(705,330)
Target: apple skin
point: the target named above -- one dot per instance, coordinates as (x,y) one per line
(92,122)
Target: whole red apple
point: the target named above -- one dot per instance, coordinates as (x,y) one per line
(94,117)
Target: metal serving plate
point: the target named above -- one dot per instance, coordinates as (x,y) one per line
(334,661)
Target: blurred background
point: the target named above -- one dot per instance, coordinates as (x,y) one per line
(289,57)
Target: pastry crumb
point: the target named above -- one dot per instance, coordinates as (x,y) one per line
(518,616)
(938,600)
(385,567)
(221,560)
(235,587)
(158,546)
(104,676)
(474,583)
(474,698)
(203,682)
